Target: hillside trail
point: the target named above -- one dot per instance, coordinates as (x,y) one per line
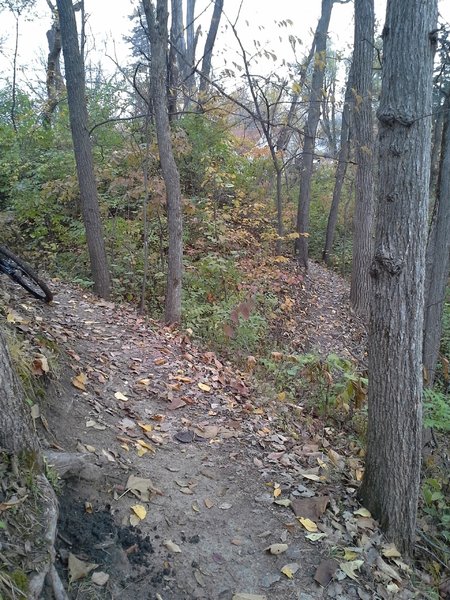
(186,470)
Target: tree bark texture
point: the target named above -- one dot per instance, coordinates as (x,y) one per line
(363,219)
(390,487)
(341,169)
(177,54)
(438,250)
(76,88)
(16,427)
(157,26)
(54,82)
(205,71)
(304,200)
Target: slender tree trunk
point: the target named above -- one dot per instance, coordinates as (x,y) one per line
(157,26)
(390,487)
(177,53)
(344,153)
(205,71)
(191,43)
(310,133)
(363,219)
(436,147)
(16,427)
(75,80)
(54,82)
(438,250)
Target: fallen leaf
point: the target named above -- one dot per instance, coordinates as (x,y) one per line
(362,512)
(308,524)
(160,361)
(172,547)
(208,503)
(310,508)
(390,551)
(204,387)
(314,537)
(120,396)
(325,571)
(79,568)
(199,578)
(277,548)
(290,569)
(40,365)
(225,506)
(79,381)
(283,502)
(311,476)
(349,568)
(142,488)
(140,511)
(100,578)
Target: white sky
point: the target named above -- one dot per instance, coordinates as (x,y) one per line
(109,22)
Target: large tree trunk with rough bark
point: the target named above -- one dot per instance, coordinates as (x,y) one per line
(390,487)
(17,434)
(309,142)
(341,169)
(75,81)
(363,219)
(157,26)
(438,250)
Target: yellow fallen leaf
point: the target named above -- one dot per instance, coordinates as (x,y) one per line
(145,427)
(120,396)
(139,510)
(144,444)
(141,451)
(308,524)
(277,492)
(79,381)
(350,554)
(290,569)
(390,551)
(282,396)
(145,381)
(204,387)
(362,512)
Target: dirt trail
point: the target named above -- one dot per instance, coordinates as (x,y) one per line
(140,400)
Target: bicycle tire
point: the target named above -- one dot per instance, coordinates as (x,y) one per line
(25,276)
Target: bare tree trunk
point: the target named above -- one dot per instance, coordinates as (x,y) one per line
(438,250)
(209,45)
(157,26)
(344,153)
(390,487)
(177,54)
(75,80)
(54,82)
(436,147)
(16,428)
(310,133)
(363,219)
(191,43)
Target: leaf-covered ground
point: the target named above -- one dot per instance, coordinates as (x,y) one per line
(193,485)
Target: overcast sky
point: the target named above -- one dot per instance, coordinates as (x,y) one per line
(108,22)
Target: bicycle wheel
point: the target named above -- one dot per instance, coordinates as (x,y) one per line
(23,274)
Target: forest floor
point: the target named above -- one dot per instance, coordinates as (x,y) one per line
(193,486)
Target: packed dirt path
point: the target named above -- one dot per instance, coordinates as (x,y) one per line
(183,485)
